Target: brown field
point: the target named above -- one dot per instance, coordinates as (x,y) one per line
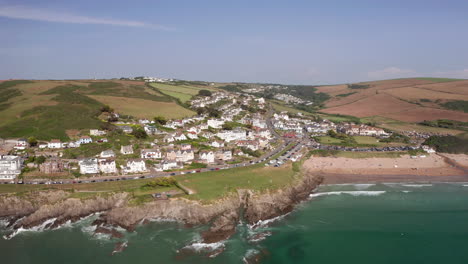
(386,84)
(329,89)
(426,113)
(142,108)
(458,87)
(397,99)
(374,105)
(414,93)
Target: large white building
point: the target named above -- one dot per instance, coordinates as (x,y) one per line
(135,166)
(89,166)
(10,167)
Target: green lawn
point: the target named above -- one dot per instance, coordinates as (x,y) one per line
(356,155)
(329,140)
(436,80)
(361,141)
(404,126)
(364,155)
(181,96)
(216,184)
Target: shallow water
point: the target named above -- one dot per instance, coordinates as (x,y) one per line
(383,223)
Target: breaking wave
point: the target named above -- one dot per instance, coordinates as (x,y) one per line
(353,193)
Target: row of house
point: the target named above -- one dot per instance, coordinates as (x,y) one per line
(362,130)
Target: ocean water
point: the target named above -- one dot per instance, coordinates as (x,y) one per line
(383,223)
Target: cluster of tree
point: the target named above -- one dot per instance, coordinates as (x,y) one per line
(211,111)
(33,159)
(231,125)
(448,144)
(106,109)
(341,136)
(457,105)
(446,124)
(161,120)
(252,153)
(358,86)
(161,182)
(204,93)
(395,137)
(234,87)
(139,133)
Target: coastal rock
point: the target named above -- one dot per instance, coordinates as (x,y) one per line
(223,216)
(71,209)
(271,205)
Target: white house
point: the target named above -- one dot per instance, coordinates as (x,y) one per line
(192,135)
(207,156)
(126,129)
(428,149)
(150,154)
(10,167)
(107,166)
(126,150)
(150,130)
(107,154)
(135,166)
(180,136)
(223,155)
(169,138)
(184,155)
(215,123)
(85,140)
(97,132)
(54,144)
(231,135)
(89,166)
(43,145)
(217,144)
(167,165)
(21,144)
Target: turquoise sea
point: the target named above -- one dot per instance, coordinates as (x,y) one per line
(383,223)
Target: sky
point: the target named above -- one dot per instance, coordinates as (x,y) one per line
(290,42)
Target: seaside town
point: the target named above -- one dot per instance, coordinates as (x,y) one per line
(231,129)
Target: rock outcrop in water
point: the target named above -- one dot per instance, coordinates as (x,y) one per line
(223,216)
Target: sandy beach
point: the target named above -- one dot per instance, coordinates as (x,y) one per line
(431,168)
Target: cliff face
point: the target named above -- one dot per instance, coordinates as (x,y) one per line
(222,216)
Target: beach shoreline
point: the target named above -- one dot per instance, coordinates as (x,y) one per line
(426,169)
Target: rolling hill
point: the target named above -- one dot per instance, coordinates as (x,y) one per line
(49,109)
(407,100)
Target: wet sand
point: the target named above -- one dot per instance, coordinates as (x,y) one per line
(432,168)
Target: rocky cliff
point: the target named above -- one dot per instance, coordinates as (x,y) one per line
(223,216)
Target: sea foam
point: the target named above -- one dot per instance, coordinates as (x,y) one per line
(353,193)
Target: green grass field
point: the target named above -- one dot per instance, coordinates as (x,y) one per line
(216,184)
(47,109)
(361,141)
(356,155)
(404,126)
(365,155)
(182,92)
(437,80)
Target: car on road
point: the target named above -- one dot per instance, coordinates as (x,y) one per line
(172,174)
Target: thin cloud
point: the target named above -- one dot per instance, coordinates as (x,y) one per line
(38,14)
(461,74)
(391,72)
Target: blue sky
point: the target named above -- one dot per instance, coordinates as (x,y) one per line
(300,42)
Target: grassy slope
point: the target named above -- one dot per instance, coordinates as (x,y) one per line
(182,92)
(216,184)
(404,126)
(142,108)
(38,108)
